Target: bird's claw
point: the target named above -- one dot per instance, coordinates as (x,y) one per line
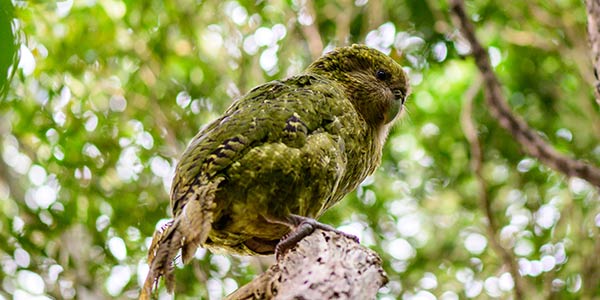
(305,227)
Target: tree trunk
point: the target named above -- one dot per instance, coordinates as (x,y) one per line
(324,265)
(593,16)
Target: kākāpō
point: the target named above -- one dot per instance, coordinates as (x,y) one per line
(254,180)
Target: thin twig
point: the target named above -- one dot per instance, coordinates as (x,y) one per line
(169,132)
(375,13)
(530,141)
(311,31)
(589,269)
(470,130)
(343,22)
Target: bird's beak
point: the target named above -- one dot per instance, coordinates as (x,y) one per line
(399,95)
(395,106)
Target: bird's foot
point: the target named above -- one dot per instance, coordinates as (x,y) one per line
(303,227)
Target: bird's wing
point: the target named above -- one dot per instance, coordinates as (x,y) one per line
(279,111)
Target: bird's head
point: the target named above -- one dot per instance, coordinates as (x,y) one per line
(374,82)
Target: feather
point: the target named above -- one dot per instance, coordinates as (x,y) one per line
(186,232)
(291,147)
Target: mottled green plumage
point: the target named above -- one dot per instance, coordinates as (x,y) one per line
(290,147)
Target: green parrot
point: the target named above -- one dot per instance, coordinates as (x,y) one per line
(254,180)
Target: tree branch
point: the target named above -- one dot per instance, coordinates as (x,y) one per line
(324,265)
(470,130)
(593,16)
(529,140)
(311,30)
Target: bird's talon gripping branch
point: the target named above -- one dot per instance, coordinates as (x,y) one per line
(305,226)
(292,238)
(326,227)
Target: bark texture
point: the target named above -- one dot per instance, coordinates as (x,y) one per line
(324,265)
(593,16)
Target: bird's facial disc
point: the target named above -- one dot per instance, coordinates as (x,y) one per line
(393,81)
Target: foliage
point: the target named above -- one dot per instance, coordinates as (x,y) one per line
(108,93)
(8,48)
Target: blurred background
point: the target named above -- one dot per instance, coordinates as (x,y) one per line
(106,95)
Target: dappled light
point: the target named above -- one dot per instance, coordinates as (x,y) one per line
(107,94)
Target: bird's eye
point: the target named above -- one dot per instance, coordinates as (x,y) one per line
(382,75)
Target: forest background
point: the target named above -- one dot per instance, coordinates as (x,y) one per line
(106,95)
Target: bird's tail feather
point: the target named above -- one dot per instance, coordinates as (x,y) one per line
(165,245)
(188,230)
